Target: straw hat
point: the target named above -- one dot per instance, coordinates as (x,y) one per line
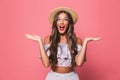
(56,10)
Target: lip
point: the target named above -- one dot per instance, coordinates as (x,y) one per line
(61,28)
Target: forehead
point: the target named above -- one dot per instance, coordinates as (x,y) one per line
(62,15)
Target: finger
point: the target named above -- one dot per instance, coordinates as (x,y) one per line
(29,36)
(36,36)
(97,38)
(90,39)
(26,35)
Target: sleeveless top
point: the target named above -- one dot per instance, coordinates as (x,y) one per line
(63,54)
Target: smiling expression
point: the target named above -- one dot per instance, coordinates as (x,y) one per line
(62,23)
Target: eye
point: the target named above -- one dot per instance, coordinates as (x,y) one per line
(58,19)
(66,19)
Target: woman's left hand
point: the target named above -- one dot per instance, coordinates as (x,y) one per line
(92,39)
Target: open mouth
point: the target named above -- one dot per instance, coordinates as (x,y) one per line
(62,28)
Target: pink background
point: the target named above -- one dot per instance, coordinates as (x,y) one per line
(97,18)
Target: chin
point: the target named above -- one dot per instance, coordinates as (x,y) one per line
(61,32)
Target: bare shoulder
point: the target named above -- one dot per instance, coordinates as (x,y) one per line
(47,40)
(79,41)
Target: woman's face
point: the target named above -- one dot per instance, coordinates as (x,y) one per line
(62,23)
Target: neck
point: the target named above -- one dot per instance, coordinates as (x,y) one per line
(63,38)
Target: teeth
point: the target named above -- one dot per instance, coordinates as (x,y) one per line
(62,26)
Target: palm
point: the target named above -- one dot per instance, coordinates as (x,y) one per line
(33,37)
(92,39)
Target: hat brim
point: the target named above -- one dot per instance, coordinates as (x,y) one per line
(56,10)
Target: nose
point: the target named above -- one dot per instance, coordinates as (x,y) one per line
(61,21)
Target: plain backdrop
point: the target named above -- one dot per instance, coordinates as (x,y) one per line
(97,18)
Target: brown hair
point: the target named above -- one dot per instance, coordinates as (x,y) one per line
(55,39)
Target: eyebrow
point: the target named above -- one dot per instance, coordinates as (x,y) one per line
(64,17)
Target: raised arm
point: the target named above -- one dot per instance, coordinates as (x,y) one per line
(43,54)
(81,57)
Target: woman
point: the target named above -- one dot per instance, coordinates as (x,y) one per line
(62,50)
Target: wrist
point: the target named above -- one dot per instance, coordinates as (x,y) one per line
(85,42)
(40,41)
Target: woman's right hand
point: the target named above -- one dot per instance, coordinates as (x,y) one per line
(33,37)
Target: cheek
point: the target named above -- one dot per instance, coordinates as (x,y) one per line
(57,24)
(66,24)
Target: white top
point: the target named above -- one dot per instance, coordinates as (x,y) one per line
(63,54)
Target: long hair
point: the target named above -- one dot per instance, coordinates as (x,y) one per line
(55,39)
